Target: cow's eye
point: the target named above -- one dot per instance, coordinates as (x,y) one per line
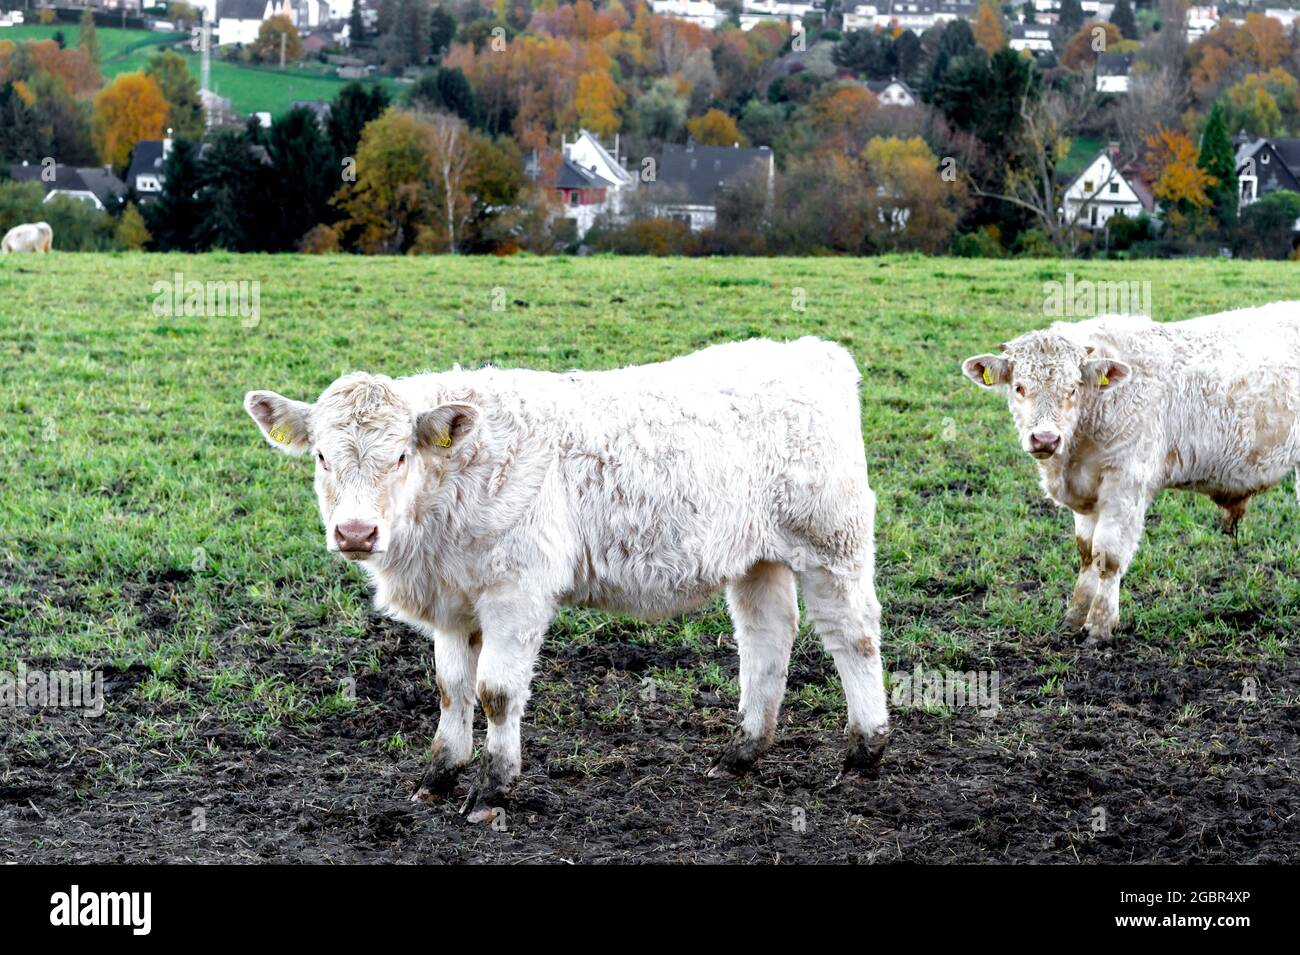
(320,459)
(1020,390)
(401,459)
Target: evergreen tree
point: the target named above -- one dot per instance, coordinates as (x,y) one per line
(175,217)
(446,90)
(87,39)
(442,30)
(1125,22)
(354,107)
(304,168)
(22,136)
(1218,158)
(240,193)
(1070,19)
(356,25)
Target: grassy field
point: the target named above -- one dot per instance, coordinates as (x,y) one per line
(249,88)
(148,530)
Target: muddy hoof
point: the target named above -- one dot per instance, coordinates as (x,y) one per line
(437,782)
(864,754)
(488,797)
(737,759)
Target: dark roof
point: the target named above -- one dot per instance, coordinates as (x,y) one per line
(98,181)
(241,9)
(1289,152)
(146,159)
(1272,176)
(317,106)
(1114,64)
(700,171)
(573,176)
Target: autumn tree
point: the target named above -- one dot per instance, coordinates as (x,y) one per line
(1094,38)
(129,109)
(1261,41)
(450,154)
(73,66)
(598,101)
(276,33)
(917,209)
(389,201)
(716,128)
(988,27)
(841,118)
(1181,185)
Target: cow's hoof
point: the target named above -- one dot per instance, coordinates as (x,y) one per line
(738,758)
(864,754)
(437,783)
(1075,622)
(489,795)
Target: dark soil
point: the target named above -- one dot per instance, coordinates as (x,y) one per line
(1183,770)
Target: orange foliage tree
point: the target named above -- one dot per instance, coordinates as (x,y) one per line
(129,109)
(72,65)
(841,117)
(716,128)
(987,27)
(1093,39)
(1181,185)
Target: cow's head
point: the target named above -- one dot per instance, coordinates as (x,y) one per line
(1048,378)
(373,453)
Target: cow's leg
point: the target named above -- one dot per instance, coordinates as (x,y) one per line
(456,660)
(765,610)
(1085,588)
(1120,520)
(512,636)
(845,613)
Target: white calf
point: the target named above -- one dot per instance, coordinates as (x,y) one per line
(29,237)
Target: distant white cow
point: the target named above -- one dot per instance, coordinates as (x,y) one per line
(1118,408)
(480,501)
(28,237)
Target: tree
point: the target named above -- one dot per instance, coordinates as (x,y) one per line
(175,216)
(1217,160)
(1266,227)
(65,120)
(389,202)
(354,107)
(181,90)
(129,109)
(241,196)
(1122,17)
(988,27)
(445,90)
(450,152)
(1070,18)
(404,32)
(356,25)
(22,137)
(598,101)
(276,33)
(841,117)
(307,175)
(660,111)
(442,30)
(1094,37)
(131,232)
(1180,185)
(867,53)
(916,209)
(86,38)
(716,128)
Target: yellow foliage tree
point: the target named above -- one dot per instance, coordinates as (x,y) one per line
(267,45)
(129,109)
(597,102)
(1180,184)
(916,208)
(987,27)
(716,128)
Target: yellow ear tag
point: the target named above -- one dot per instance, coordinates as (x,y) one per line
(1103,381)
(443,440)
(281,435)
(988,377)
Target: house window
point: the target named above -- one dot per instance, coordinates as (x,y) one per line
(1092,215)
(1087,185)
(575,197)
(1114,187)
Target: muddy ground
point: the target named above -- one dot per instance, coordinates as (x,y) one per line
(1127,759)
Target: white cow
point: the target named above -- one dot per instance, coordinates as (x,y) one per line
(28,237)
(478,502)
(1118,408)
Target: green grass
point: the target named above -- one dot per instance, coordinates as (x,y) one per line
(126,458)
(249,88)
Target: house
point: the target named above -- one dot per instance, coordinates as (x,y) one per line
(1113,72)
(1103,190)
(591,181)
(145,174)
(239,20)
(792,12)
(702,12)
(690,177)
(1266,165)
(1035,38)
(1049,11)
(892,92)
(916,15)
(94,184)
(1200,21)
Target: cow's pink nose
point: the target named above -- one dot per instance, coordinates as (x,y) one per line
(357,536)
(1047,441)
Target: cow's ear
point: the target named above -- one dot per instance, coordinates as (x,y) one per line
(1106,373)
(987,371)
(443,429)
(282,421)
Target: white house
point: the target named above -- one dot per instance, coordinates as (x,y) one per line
(703,12)
(591,181)
(1032,38)
(1113,72)
(916,15)
(1200,21)
(1101,191)
(238,21)
(892,92)
(93,184)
